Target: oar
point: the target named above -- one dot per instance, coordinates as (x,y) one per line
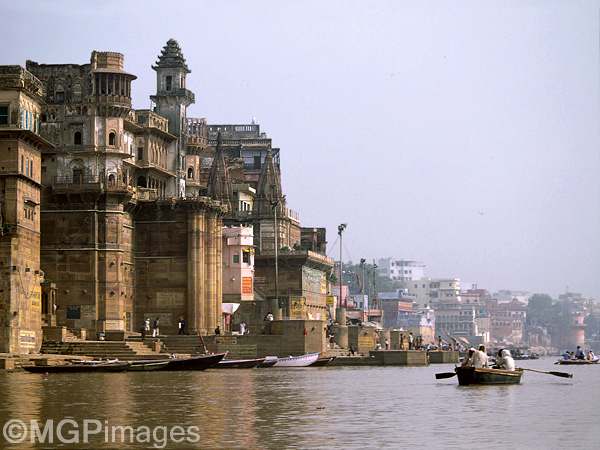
(439,376)
(556,374)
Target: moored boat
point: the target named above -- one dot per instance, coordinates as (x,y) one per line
(238,363)
(146,366)
(202,362)
(297,361)
(322,361)
(268,362)
(578,361)
(79,368)
(472,375)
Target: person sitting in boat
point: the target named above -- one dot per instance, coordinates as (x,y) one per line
(480,358)
(506,362)
(468,360)
(566,356)
(579,353)
(591,355)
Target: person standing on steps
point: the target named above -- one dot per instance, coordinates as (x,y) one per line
(182,325)
(155,328)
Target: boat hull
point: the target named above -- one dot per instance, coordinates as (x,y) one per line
(578,361)
(322,361)
(78,368)
(474,376)
(194,363)
(297,361)
(238,363)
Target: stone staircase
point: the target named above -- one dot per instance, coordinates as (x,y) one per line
(182,345)
(100,350)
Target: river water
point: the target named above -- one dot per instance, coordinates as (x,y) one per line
(300,408)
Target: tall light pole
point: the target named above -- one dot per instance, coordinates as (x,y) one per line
(362,287)
(340,229)
(276,306)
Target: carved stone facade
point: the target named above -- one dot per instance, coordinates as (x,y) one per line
(20,181)
(112,229)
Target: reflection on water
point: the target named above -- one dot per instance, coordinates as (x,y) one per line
(308,408)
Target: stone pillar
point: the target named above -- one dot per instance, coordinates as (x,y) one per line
(194,278)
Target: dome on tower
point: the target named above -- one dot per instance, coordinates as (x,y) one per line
(171,57)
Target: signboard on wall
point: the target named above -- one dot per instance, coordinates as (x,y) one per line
(114,325)
(246,285)
(88,311)
(27,339)
(36,298)
(74,312)
(331,300)
(366,341)
(298,308)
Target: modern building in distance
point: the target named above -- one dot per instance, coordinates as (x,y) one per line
(429,291)
(401,269)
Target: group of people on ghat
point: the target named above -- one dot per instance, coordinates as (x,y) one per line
(579,354)
(479,359)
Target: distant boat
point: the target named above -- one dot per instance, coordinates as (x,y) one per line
(238,363)
(297,361)
(472,375)
(578,361)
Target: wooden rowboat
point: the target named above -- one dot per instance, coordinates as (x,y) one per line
(297,361)
(238,363)
(323,361)
(79,368)
(578,361)
(471,375)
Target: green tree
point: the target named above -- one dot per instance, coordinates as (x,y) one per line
(382,283)
(545,312)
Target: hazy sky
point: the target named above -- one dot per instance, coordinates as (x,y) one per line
(463,134)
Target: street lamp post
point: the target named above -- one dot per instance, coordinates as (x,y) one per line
(276,306)
(362,287)
(341,311)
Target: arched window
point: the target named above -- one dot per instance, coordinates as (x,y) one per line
(190,173)
(111,180)
(77,138)
(111,138)
(141,182)
(77,176)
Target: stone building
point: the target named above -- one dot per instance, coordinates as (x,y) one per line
(115,215)
(120,240)
(21,147)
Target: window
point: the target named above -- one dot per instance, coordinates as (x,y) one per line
(140,153)
(169,82)
(256,162)
(246,256)
(77,138)
(77,176)
(111,138)
(3,114)
(60,97)
(190,173)
(236,258)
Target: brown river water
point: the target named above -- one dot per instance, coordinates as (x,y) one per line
(300,408)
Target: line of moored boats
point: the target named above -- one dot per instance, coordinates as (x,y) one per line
(217,361)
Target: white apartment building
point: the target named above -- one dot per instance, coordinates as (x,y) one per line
(426,292)
(401,269)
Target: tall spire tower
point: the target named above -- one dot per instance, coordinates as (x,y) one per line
(172,99)
(219,182)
